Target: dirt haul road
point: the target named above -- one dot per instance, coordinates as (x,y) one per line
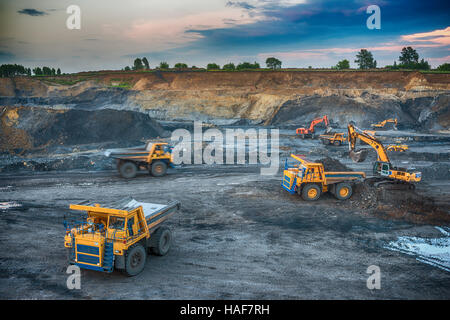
(238,236)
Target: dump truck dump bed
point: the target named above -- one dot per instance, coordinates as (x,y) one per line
(139,153)
(154,213)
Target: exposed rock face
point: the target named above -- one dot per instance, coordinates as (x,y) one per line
(271,97)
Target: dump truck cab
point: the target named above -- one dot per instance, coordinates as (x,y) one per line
(154,157)
(310,180)
(118,234)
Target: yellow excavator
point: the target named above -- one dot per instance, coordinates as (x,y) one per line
(382,124)
(382,167)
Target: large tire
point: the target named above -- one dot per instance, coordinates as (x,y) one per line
(311,192)
(343,191)
(135,260)
(158,169)
(337,143)
(128,170)
(162,241)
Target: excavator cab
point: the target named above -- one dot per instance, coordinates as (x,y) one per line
(385,169)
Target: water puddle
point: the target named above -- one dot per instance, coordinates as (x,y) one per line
(9,205)
(432,251)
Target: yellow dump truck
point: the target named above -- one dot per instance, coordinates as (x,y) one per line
(154,157)
(118,234)
(333,138)
(310,180)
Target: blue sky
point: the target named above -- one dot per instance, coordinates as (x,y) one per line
(301,33)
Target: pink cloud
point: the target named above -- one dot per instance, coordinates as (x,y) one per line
(439,37)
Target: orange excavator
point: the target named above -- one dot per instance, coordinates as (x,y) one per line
(309,133)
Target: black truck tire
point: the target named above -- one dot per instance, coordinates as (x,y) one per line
(158,169)
(135,260)
(337,143)
(311,192)
(128,169)
(343,191)
(162,241)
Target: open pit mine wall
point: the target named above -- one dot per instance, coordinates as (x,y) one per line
(280,98)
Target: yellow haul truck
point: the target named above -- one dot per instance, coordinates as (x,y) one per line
(310,180)
(154,157)
(333,138)
(118,234)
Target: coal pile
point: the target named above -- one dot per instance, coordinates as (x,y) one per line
(437,171)
(331,164)
(67,163)
(49,127)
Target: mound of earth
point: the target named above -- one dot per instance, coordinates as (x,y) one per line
(388,203)
(26,128)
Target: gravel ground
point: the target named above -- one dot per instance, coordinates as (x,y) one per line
(238,235)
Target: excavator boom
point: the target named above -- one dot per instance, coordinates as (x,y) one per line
(355,133)
(383,165)
(311,130)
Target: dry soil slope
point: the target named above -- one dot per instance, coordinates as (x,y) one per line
(279,97)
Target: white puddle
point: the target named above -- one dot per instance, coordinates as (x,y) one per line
(432,251)
(9,205)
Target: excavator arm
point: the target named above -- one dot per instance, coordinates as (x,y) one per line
(317,121)
(355,133)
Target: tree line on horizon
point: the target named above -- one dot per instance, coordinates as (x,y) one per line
(11,70)
(408,60)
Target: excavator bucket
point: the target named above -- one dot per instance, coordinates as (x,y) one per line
(359,155)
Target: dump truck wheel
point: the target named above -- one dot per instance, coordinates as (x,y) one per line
(162,241)
(337,143)
(311,192)
(135,260)
(158,169)
(343,191)
(128,170)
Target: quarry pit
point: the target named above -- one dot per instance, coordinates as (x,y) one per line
(238,234)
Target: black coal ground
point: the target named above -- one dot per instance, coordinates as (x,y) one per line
(238,235)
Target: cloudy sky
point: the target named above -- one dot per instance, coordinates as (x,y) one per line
(301,33)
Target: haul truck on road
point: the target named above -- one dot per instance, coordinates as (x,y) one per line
(154,157)
(310,180)
(118,235)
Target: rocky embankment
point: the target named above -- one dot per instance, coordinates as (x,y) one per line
(281,98)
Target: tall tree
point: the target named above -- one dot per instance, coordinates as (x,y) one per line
(46,71)
(409,56)
(37,71)
(180,65)
(343,64)
(138,64)
(163,65)
(273,63)
(229,67)
(365,60)
(444,67)
(145,62)
(212,66)
(58,72)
